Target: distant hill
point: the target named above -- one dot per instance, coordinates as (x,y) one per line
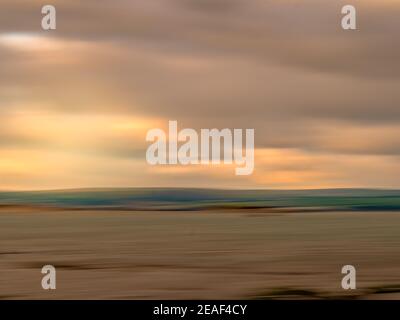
(200,199)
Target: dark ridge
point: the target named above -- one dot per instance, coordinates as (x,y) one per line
(163,199)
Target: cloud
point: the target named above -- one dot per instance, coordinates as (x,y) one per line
(285,68)
(304,34)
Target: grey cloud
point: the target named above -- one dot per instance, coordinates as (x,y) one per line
(306,35)
(277,66)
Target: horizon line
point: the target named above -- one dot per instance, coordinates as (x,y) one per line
(198,188)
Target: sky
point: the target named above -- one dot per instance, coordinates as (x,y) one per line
(76,102)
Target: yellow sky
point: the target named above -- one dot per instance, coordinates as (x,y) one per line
(76,103)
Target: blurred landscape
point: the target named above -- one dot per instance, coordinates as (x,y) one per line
(200,243)
(77,103)
(202,199)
